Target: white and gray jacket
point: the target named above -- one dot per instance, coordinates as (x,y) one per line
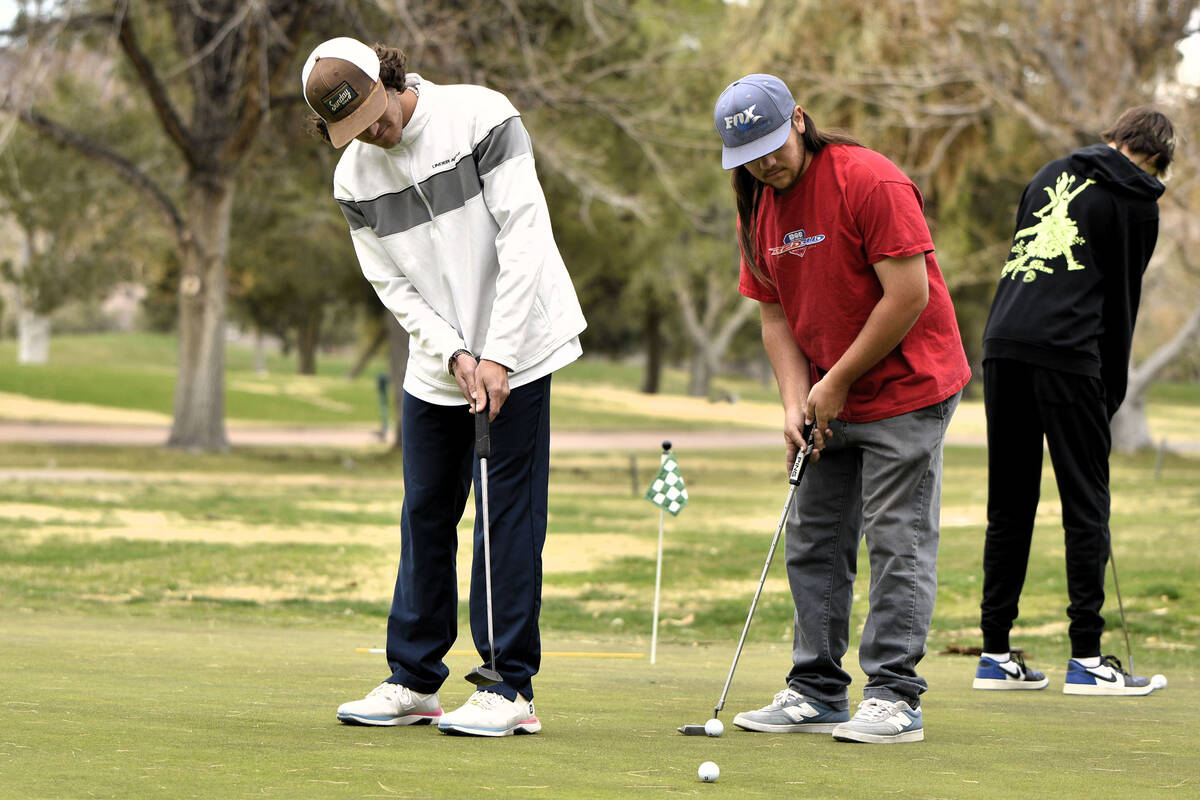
(451,229)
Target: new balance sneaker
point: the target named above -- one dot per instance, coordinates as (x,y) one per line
(1107,679)
(1011,674)
(391,704)
(490,714)
(882,722)
(791,712)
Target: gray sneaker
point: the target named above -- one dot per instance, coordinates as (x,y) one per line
(791,712)
(882,722)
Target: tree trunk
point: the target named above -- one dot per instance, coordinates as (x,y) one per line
(33,329)
(260,352)
(652,334)
(33,337)
(700,372)
(1130,430)
(708,334)
(369,352)
(307,337)
(199,414)
(397,365)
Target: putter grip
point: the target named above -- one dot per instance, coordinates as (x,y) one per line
(483,436)
(801,462)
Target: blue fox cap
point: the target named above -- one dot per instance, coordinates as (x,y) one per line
(753,116)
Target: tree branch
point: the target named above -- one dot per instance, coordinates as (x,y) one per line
(157,92)
(125,168)
(268,55)
(1144,373)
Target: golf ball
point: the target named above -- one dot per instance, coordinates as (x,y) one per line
(709,772)
(1159,681)
(714,727)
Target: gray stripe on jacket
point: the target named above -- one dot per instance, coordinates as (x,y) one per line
(446,191)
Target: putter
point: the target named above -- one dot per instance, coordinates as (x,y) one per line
(1120,604)
(794,480)
(485,675)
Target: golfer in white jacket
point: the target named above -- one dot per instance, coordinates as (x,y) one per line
(450,226)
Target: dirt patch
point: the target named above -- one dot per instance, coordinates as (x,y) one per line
(22,407)
(612,400)
(301,390)
(562,554)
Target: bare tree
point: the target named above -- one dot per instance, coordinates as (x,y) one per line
(634,72)
(1175,278)
(1069,69)
(711,318)
(227,59)
(76,257)
(971,96)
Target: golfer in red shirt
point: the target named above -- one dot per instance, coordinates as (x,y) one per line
(860,331)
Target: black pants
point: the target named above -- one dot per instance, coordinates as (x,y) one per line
(439,465)
(1023,403)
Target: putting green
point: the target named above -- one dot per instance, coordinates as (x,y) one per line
(129,707)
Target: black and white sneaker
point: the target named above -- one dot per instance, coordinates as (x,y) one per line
(1006,675)
(1107,679)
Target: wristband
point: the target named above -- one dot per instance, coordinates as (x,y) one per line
(454,358)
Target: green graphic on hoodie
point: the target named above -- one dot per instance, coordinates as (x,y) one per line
(1052,237)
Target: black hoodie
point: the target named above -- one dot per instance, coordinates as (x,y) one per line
(1069,292)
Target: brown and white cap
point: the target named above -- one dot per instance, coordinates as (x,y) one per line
(341,84)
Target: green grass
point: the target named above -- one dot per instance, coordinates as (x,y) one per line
(183,625)
(204,708)
(1176,392)
(137,372)
(286,528)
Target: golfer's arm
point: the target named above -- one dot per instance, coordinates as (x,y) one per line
(789,363)
(905,295)
(524,241)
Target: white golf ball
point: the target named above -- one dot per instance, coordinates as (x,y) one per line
(709,772)
(1159,681)
(714,727)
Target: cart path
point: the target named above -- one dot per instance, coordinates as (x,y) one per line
(75,433)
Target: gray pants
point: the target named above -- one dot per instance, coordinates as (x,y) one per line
(883,481)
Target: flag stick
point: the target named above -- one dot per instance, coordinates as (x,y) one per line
(657,586)
(662,513)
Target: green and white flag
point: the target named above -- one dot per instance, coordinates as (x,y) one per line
(667,491)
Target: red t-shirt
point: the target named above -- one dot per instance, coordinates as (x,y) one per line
(850,209)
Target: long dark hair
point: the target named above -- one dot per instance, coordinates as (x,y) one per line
(393,65)
(747,191)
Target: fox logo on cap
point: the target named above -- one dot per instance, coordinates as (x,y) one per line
(743,120)
(752,117)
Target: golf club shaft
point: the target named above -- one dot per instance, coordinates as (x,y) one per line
(483,449)
(1120,605)
(794,480)
(757,592)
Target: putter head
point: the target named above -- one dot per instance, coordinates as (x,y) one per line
(692,730)
(483,676)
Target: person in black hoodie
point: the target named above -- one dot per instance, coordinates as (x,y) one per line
(1055,363)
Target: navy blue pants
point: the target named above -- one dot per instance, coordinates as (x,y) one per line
(439,465)
(1023,403)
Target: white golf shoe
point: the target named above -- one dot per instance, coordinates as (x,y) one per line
(391,704)
(489,714)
